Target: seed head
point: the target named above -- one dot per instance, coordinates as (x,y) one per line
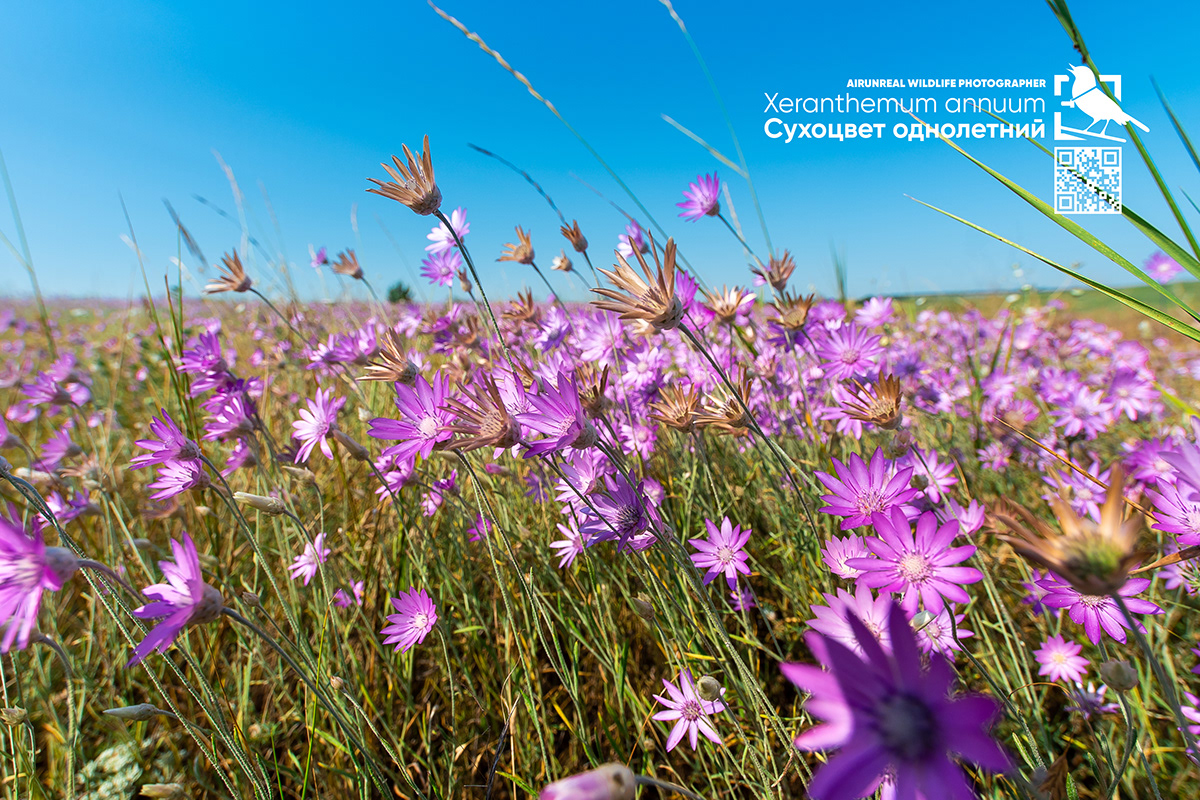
(392,364)
(561,262)
(651,300)
(575,236)
(413,186)
(522,252)
(233,277)
(878,404)
(347,264)
(709,688)
(1120,675)
(676,407)
(793,311)
(778,270)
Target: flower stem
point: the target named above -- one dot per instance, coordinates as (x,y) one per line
(474,274)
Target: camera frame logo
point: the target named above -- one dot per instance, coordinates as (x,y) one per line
(1087,179)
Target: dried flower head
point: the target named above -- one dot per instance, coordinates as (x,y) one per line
(728,303)
(347,264)
(592,383)
(523,309)
(485,421)
(575,236)
(464,281)
(1119,675)
(676,407)
(878,404)
(793,311)
(727,414)
(652,300)
(778,270)
(522,252)
(233,277)
(1095,559)
(414,186)
(561,262)
(392,364)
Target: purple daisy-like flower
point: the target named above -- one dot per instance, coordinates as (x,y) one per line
(1059,660)
(837,551)
(634,238)
(424,420)
(833,620)
(935,634)
(722,551)
(570,546)
(316,423)
(58,448)
(862,489)
(415,617)
(1088,700)
(918,565)
(689,711)
(170,444)
(440,238)
(1098,613)
(1178,512)
(702,198)
(556,412)
(27,567)
(624,514)
(441,267)
(318,258)
(1036,593)
(742,599)
(185,599)
(308,562)
(849,351)
(343,600)
(1083,412)
(177,477)
(937,476)
(891,717)
(1162,267)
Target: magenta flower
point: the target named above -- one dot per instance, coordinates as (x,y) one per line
(441,267)
(1060,660)
(1083,412)
(1177,510)
(722,551)
(625,514)
(935,634)
(171,444)
(861,490)
(919,566)
(689,711)
(27,567)
(185,599)
(634,238)
(570,546)
(557,414)
(837,551)
(1098,612)
(416,615)
(440,238)
(702,198)
(316,423)
(833,620)
(48,390)
(177,477)
(891,717)
(423,423)
(308,562)
(938,476)
(343,600)
(849,351)
(1162,267)
(1090,700)
(318,258)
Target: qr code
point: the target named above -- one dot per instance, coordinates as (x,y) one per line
(1087,180)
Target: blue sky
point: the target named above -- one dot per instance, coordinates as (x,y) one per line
(131,98)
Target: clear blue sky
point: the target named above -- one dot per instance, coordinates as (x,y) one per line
(130,98)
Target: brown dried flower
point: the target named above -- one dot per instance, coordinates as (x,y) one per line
(1093,558)
(523,309)
(793,311)
(561,262)
(575,236)
(392,364)
(878,404)
(347,264)
(727,415)
(486,421)
(522,253)
(591,384)
(414,186)
(652,300)
(464,281)
(676,407)
(233,277)
(778,270)
(728,303)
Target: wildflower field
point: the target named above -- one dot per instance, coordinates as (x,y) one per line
(681,540)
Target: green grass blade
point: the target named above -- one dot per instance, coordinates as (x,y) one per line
(1187,142)
(1122,298)
(1162,187)
(711,150)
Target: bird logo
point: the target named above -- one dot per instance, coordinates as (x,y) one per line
(1088,97)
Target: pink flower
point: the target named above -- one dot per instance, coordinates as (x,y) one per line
(424,420)
(862,489)
(171,444)
(690,712)
(315,424)
(722,552)
(440,237)
(185,599)
(1098,612)
(307,563)
(702,198)
(416,615)
(1060,660)
(27,567)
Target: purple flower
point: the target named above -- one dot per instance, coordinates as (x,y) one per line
(722,552)
(1083,412)
(185,599)
(318,258)
(1178,512)
(1060,660)
(849,351)
(742,599)
(838,551)
(232,413)
(27,567)
(315,424)
(624,514)
(343,600)
(891,717)
(609,782)
(177,477)
(423,423)
(861,490)
(633,238)
(935,634)
(833,620)
(416,615)
(570,546)
(1098,612)
(1131,394)
(937,476)
(1090,700)
(875,312)
(557,414)
(1162,267)
(441,267)
(1036,593)
(48,390)
(171,444)
(440,239)
(689,711)
(308,562)
(919,566)
(58,448)
(702,198)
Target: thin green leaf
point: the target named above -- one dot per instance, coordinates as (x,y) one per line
(1126,300)
(711,150)
(1187,143)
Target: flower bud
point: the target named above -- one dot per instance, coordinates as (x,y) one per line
(171,791)
(251,599)
(300,473)
(609,782)
(1120,675)
(337,683)
(138,713)
(643,608)
(13,716)
(921,619)
(709,688)
(5,466)
(271,506)
(61,563)
(355,449)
